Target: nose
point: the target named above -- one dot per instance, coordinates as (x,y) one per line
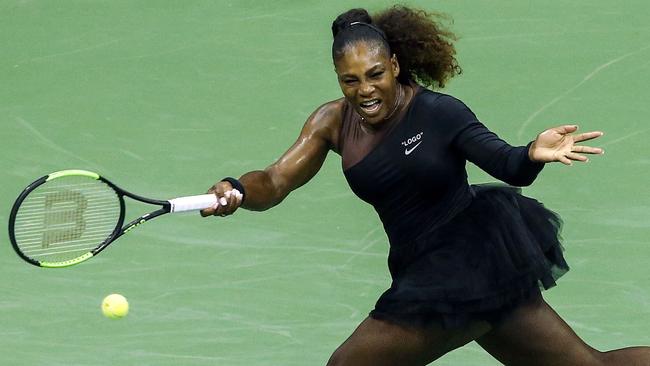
(366,89)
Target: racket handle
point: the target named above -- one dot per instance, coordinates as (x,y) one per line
(193,203)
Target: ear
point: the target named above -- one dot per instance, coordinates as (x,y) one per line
(394,65)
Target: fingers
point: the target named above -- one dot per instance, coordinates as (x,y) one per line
(565,129)
(584,149)
(231,201)
(577,157)
(587,136)
(568,129)
(228,203)
(587,150)
(211,211)
(564,160)
(570,157)
(560,144)
(228,200)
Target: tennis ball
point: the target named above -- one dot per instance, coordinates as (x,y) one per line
(115,306)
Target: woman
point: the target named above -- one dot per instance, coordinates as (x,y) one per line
(467,262)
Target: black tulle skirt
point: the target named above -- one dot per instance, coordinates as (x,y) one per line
(502,250)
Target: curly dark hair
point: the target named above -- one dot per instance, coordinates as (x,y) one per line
(423,46)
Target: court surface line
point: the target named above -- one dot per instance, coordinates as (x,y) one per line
(561,96)
(53,144)
(72,52)
(625,137)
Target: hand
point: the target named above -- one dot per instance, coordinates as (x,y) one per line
(559,144)
(228,200)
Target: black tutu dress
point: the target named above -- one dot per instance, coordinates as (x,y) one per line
(498,252)
(458,252)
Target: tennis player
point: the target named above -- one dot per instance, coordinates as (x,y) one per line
(468,263)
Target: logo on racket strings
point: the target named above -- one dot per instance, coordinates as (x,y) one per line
(64,217)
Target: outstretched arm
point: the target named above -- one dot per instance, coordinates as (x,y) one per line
(516,165)
(519,165)
(266,188)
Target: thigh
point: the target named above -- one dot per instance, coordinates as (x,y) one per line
(381,343)
(534,334)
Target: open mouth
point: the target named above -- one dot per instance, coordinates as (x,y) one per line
(370,106)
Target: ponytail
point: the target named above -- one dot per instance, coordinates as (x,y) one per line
(423,46)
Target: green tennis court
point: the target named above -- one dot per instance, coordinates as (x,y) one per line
(165,97)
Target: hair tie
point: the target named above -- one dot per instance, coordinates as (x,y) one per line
(373,27)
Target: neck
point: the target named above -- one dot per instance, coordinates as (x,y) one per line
(399,98)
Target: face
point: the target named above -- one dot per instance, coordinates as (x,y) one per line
(368,80)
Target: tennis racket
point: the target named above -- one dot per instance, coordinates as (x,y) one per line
(70,216)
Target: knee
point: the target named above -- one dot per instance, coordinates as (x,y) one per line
(626,356)
(599,358)
(337,358)
(588,356)
(349,354)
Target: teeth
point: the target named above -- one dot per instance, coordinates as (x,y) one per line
(370,103)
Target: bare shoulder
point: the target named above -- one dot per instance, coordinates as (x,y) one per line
(325,122)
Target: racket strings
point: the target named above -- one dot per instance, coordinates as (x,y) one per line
(65,218)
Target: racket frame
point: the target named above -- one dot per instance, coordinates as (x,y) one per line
(120,228)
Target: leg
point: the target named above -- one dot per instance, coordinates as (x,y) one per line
(381,343)
(536,335)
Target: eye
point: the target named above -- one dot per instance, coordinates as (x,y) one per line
(377,74)
(349,81)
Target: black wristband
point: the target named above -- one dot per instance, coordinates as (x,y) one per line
(236,184)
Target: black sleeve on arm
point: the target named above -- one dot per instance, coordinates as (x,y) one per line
(484,148)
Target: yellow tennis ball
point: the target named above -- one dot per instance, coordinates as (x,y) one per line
(115,306)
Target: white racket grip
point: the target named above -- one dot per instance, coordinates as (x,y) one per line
(193,203)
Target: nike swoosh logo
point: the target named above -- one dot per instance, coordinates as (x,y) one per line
(408,151)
